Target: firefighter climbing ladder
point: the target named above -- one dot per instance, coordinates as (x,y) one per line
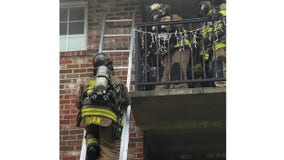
(126,116)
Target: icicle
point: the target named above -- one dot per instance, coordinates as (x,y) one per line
(152,39)
(142,42)
(194,41)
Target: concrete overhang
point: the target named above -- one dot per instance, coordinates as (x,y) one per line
(189,108)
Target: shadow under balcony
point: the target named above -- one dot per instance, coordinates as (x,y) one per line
(188,108)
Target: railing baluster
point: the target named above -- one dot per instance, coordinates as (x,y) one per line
(191,57)
(203,56)
(145,56)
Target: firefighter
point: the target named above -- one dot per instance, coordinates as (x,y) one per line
(175,63)
(215,33)
(102,99)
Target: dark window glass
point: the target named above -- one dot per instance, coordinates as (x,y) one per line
(76,28)
(69,0)
(63,28)
(63,14)
(76,13)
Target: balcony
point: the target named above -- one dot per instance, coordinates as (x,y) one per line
(161,108)
(198,100)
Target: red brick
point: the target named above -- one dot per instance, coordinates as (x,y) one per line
(64,121)
(79,70)
(79,137)
(69,117)
(132,134)
(70,107)
(73,66)
(74,110)
(66,148)
(78,147)
(69,158)
(90,70)
(140,144)
(65,61)
(140,155)
(132,144)
(63,143)
(69,137)
(70,96)
(66,101)
(64,112)
(72,143)
(74,101)
(86,65)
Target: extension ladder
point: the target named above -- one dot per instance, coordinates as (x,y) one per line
(126,116)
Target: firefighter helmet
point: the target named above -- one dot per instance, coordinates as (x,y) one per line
(157,10)
(205,6)
(101,59)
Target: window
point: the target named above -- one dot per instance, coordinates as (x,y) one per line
(73,25)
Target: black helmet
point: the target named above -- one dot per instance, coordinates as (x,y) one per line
(101,59)
(204,7)
(218,2)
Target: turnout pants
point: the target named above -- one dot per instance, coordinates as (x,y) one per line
(219,70)
(109,146)
(175,68)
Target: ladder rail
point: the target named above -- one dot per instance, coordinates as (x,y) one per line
(119,20)
(83,148)
(102,34)
(115,51)
(126,117)
(117,35)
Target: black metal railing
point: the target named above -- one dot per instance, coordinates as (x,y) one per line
(162,50)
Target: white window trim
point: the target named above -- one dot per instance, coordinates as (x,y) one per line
(77,4)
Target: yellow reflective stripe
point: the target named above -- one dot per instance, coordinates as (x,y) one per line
(167,27)
(91,141)
(91,86)
(210,12)
(223,12)
(107,111)
(84,114)
(206,30)
(163,53)
(114,118)
(197,66)
(218,26)
(219,46)
(205,54)
(99,112)
(186,41)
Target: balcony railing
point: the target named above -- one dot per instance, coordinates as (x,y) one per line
(160,46)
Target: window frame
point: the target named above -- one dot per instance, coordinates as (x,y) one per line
(85,33)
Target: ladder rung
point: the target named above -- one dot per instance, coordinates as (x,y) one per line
(112,51)
(117,35)
(120,67)
(119,20)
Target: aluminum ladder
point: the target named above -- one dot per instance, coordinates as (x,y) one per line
(126,116)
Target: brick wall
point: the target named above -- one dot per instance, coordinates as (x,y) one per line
(76,67)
